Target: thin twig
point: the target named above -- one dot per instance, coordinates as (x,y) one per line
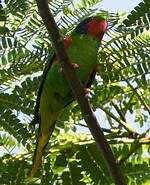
(119,111)
(124,124)
(137,94)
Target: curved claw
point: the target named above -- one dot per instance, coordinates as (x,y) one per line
(86,92)
(60,70)
(75,65)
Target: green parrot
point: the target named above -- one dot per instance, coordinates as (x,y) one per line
(55,93)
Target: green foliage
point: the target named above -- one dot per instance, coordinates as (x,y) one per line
(139,16)
(120,92)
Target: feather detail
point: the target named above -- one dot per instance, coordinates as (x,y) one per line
(41,144)
(54,92)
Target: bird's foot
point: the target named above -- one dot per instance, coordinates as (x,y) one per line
(86,92)
(60,70)
(75,65)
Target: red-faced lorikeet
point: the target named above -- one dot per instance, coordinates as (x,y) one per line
(55,92)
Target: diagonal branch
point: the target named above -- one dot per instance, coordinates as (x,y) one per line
(137,94)
(78,92)
(124,124)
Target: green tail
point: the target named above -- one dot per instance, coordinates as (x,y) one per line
(41,144)
(46,128)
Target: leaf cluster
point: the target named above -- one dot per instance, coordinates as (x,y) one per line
(120,92)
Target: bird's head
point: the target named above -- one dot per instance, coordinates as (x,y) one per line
(95,26)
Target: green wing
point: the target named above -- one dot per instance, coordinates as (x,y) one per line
(44,75)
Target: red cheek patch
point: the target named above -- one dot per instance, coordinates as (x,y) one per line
(94,27)
(97,28)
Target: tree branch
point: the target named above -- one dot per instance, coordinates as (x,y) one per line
(119,111)
(124,124)
(137,94)
(78,92)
